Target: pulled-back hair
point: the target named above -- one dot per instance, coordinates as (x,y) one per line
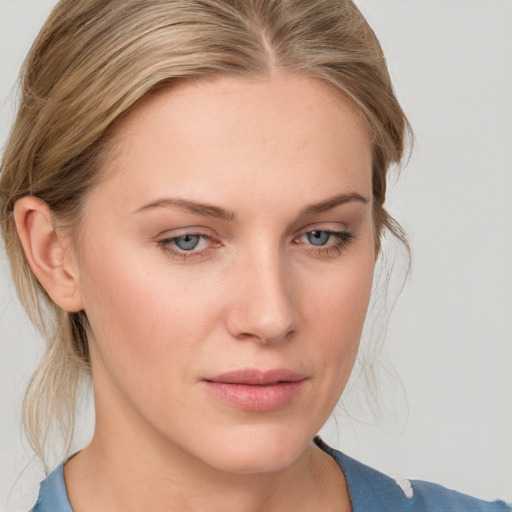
(94,59)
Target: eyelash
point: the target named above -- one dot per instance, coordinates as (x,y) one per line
(167,246)
(344,239)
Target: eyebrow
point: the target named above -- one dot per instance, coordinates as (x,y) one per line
(334,201)
(209,210)
(204,209)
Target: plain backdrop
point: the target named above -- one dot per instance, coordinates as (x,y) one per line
(447,414)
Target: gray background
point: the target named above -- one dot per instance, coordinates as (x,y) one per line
(449,344)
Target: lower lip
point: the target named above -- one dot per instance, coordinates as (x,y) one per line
(257,398)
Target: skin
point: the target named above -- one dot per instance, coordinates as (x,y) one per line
(254,293)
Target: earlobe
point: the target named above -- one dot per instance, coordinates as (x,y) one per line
(47,252)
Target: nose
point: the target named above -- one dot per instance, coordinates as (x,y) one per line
(263,303)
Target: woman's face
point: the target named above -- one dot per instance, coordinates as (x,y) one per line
(225,267)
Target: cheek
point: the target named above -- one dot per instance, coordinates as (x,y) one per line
(339,297)
(142,317)
(336,310)
(149,331)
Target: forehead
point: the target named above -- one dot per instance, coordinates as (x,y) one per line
(256,136)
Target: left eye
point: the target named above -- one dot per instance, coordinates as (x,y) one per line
(318,238)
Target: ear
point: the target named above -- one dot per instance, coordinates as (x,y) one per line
(48,252)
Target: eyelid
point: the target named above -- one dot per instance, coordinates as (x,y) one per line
(164,240)
(335,233)
(189,230)
(330,227)
(340,239)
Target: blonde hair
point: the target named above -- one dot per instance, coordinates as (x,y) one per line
(94,59)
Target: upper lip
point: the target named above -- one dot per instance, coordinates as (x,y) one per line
(255,376)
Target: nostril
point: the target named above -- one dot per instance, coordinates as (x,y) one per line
(251,327)
(269,340)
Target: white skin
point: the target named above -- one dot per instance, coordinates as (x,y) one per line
(256,292)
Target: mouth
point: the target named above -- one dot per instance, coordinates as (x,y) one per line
(257,390)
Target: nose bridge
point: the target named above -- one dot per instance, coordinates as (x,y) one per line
(264,307)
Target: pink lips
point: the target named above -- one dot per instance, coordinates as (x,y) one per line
(257,390)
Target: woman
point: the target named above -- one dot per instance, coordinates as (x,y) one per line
(195,191)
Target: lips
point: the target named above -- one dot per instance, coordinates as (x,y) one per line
(257,390)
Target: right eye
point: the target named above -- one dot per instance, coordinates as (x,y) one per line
(187,245)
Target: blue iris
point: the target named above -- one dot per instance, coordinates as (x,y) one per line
(318,237)
(187,242)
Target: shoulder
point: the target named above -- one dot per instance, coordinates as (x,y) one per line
(429,496)
(373,491)
(53,496)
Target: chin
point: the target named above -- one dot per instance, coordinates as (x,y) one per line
(256,449)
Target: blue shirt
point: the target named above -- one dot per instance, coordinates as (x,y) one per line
(370,491)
